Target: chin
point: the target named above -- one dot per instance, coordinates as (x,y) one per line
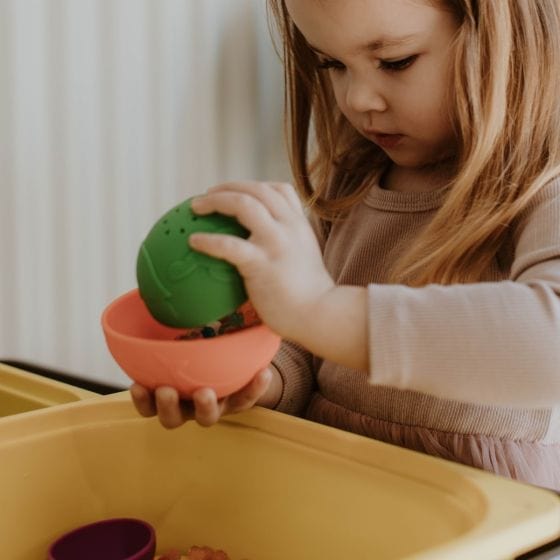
(418,161)
(409,162)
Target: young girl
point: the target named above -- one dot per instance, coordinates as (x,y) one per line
(422,306)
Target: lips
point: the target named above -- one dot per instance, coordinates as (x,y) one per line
(384,140)
(374,132)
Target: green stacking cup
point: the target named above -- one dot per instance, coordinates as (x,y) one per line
(180,286)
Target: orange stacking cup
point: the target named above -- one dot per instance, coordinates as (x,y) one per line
(151,354)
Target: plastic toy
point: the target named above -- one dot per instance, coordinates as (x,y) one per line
(154,354)
(189,325)
(110,539)
(183,287)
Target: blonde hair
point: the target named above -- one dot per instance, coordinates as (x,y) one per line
(507,118)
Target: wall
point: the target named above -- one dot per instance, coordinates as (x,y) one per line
(111,112)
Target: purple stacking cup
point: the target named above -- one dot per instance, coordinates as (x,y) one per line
(110,539)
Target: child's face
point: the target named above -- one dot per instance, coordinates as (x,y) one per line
(397,89)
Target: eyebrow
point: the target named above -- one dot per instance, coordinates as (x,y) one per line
(378,44)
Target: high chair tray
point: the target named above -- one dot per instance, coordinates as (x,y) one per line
(260,485)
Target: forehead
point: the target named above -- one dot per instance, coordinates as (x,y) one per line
(345,23)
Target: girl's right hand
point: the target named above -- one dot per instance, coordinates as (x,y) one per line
(264,389)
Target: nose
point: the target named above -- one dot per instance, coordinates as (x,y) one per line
(362,95)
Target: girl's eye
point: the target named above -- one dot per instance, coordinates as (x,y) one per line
(397,65)
(330,64)
(389,65)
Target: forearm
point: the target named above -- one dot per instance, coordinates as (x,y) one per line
(336,327)
(494,343)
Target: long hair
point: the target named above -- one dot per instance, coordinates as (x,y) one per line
(506,113)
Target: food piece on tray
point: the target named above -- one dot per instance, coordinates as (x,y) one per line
(195,553)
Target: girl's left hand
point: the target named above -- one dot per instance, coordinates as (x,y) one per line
(281,261)
(265,389)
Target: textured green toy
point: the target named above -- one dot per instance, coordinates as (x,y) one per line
(182,287)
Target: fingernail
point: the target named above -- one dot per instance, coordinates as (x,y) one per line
(205,397)
(193,240)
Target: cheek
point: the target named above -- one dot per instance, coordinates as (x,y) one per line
(432,93)
(339,95)
(439,125)
(339,91)
(339,85)
(427,109)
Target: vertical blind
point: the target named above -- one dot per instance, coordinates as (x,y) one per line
(111,112)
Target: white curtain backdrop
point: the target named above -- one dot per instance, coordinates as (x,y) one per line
(111,112)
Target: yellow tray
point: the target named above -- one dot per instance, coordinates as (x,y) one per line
(22,391)
(260,485)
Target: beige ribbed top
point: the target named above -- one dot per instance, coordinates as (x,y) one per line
(479,358)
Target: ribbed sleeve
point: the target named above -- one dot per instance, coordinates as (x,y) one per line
(295,366)
(490,342)
(496,343)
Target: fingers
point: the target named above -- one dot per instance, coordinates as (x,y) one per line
(206,406)
(246,206)
(265,209)
(163,402)
(249,211)
(290,194)
(143,400)
(237,251)
(208,409)
(250,394)
(171,410)
(278,199)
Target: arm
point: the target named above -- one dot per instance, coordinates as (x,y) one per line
(494,342)
(487,342)
(295,367)
(339,330)
(284,273)
(286,386)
